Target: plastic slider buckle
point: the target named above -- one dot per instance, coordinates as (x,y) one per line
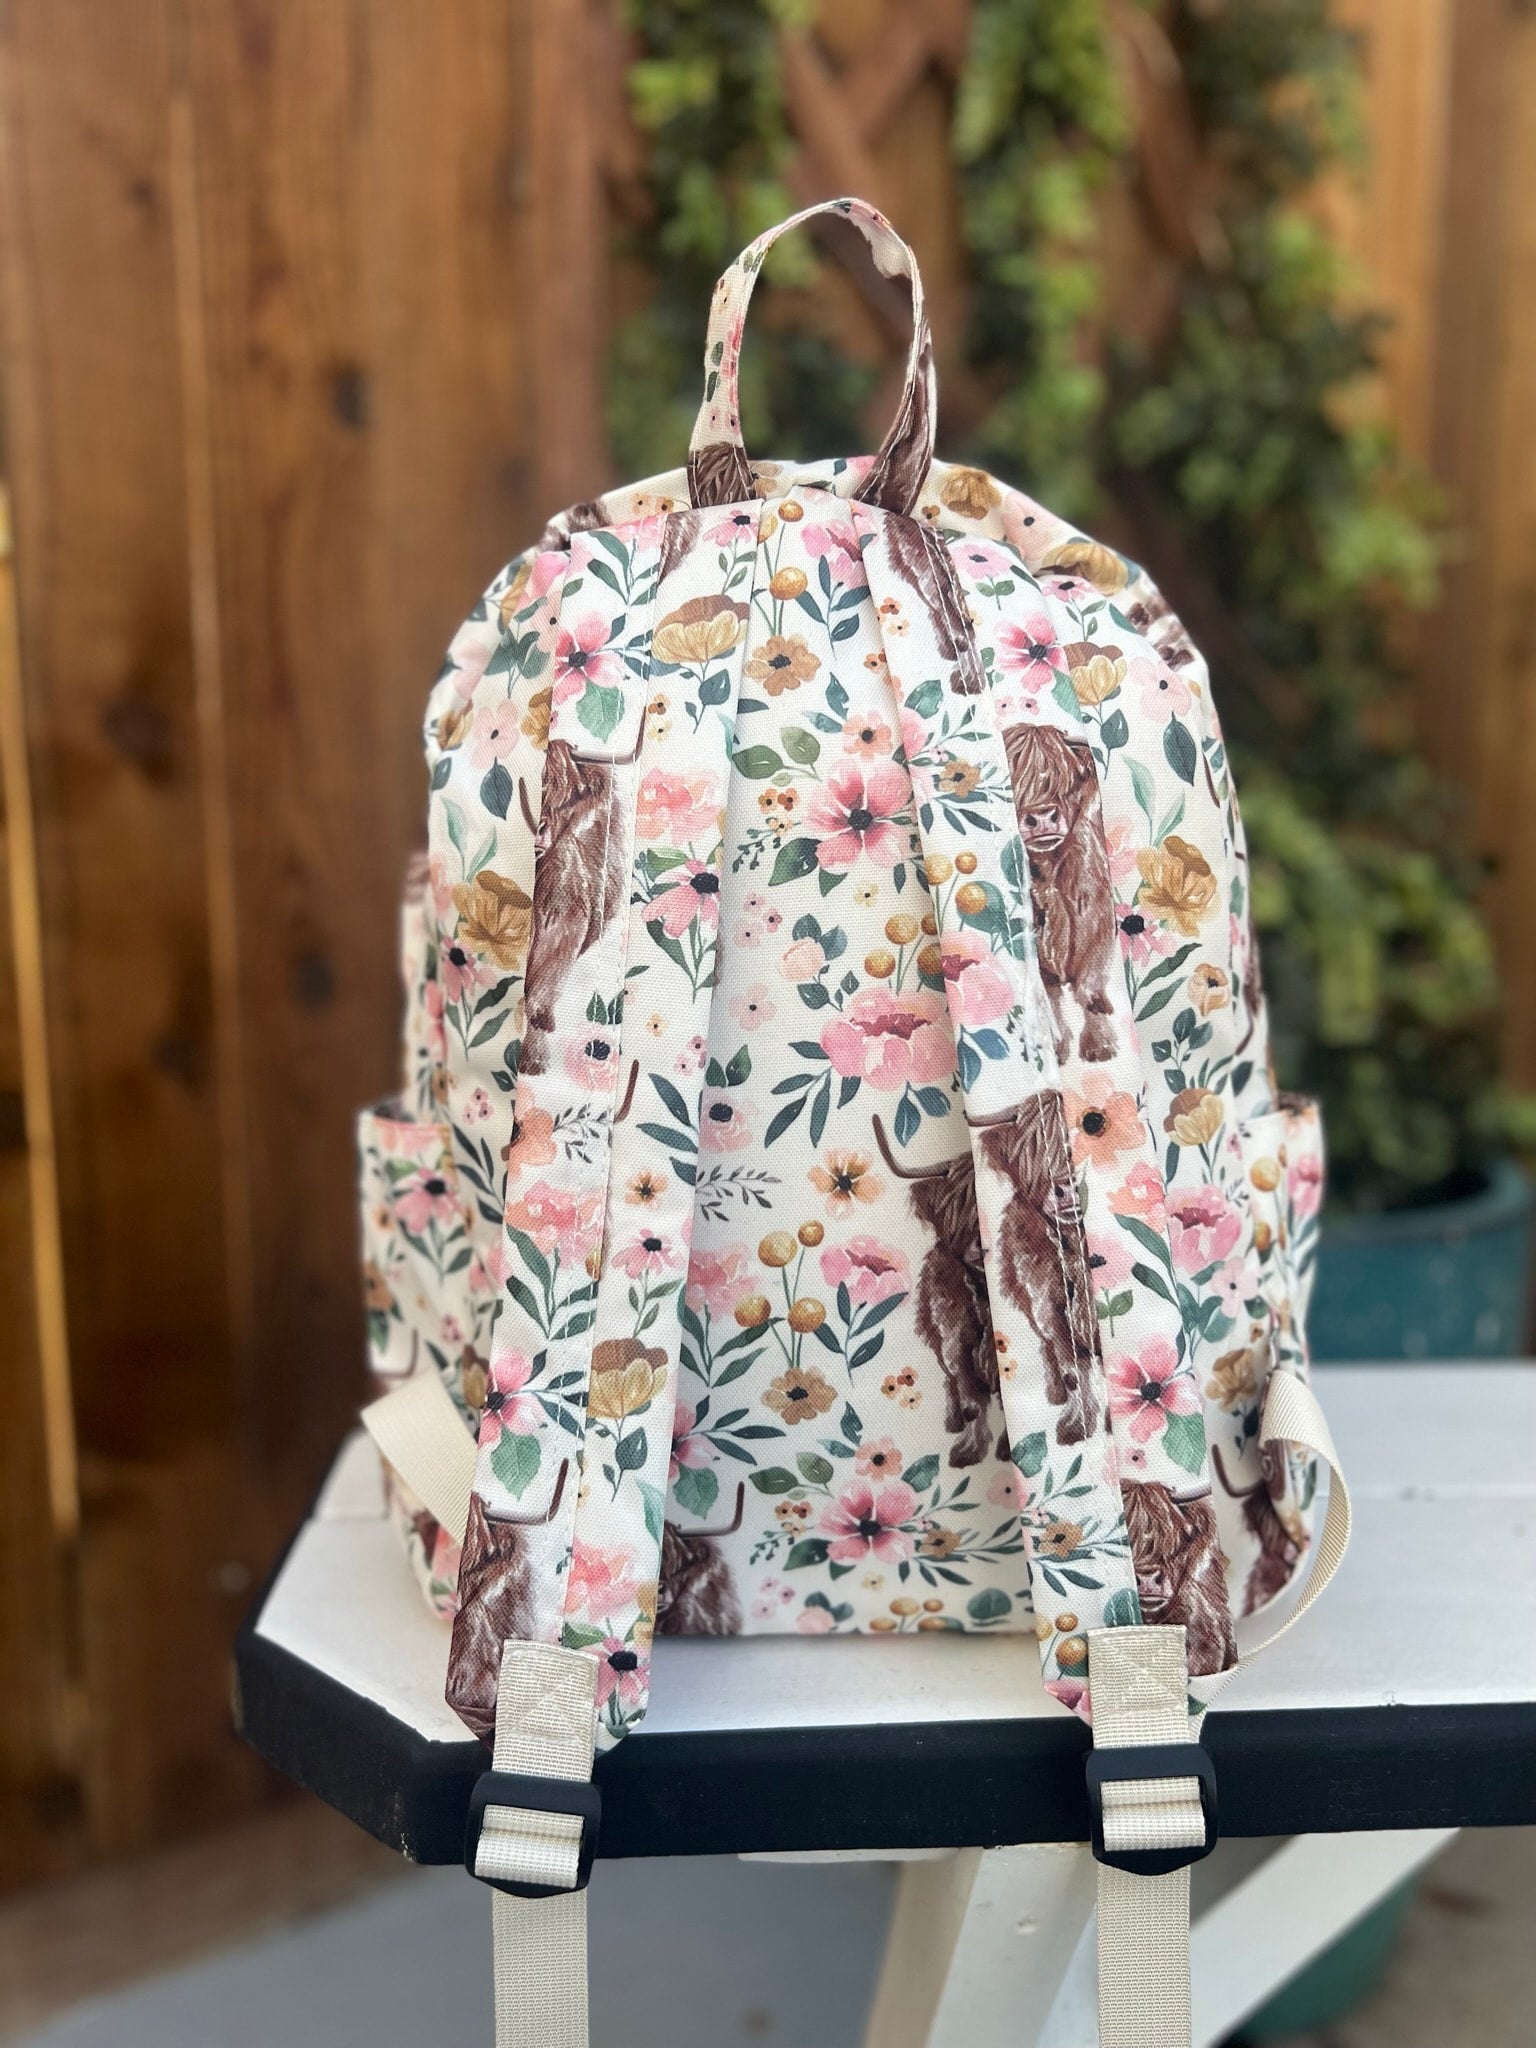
(1154,1760)
(576,1796)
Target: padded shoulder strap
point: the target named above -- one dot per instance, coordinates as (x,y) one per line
(1051,1375)
(564,1534)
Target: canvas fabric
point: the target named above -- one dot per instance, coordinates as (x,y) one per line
(838,1172)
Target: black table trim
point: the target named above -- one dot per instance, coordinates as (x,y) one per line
(912,1785)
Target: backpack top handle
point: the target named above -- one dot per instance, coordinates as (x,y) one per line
(719,472)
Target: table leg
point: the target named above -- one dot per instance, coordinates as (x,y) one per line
(979,1944)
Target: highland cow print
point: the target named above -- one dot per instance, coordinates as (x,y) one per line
(578,885)
(1056,789)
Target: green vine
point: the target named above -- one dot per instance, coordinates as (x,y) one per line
(1278,517)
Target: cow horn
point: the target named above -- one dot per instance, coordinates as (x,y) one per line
(629,1093)
(905,1172)
(1237,1492)
(527,807)
(995,1119)
(735,1522)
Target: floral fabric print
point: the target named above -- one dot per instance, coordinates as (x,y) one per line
(847,1188)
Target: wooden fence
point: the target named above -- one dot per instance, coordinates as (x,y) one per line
(302,315)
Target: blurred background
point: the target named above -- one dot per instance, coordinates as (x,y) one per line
(311,311)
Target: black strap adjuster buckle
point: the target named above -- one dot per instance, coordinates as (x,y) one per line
(1154,1760)
(576,1796)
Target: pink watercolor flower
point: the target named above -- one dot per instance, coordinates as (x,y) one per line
(648,1257)
(773,1596)
(855,812)
(723,1123)
(837,541)
(815,1621)
(469,657)
(1203,1227)
(1140,1194)
(589,1061)
(687,1449)
(753,1008)
(1235,1284)
(802,961)
(461,970)
(508,1405)
(693,895)
(602,1580)
(1008,1488)
(1145,1391)
(979,991)
(984,560)
(1028,650)
(677,808)
(1120,846)
(1304,1185)
(692,1056)
(619,1671)
(1109,1261)
(865,1521)
(878,1458)
(582,656)
(478,1108)
(1142,938)
(423,1197)
(493,733)
(1164,692)
(889,1040)
(558,1221)
(872,1272)
(739,525)
(433,1004)
(717,1280)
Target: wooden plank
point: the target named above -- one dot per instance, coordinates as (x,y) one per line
(1507,793)
(1389,219)
(566,44)
(94,428)
(40,1703)
(1477,658)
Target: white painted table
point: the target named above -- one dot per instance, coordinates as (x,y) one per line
(1403,1708)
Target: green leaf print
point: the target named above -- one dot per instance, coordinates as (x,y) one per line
(774,1479)
(796,859)
(756,763)
(599,708)
(695,1489)
(515,1462)
(1184,1441)
(800,746)
(1029,1453)
(1179,750)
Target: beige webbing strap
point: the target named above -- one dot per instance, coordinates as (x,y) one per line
(546,1715)
(1292,1416)
(1139,1684)
(421,1433)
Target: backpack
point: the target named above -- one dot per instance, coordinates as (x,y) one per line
(838,1181)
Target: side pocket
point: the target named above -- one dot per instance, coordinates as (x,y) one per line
(419,1268)
(1264,1501)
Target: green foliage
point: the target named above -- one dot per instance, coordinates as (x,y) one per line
(1289,534)
(705,90)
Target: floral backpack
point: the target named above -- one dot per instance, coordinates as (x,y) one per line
(839,1181)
